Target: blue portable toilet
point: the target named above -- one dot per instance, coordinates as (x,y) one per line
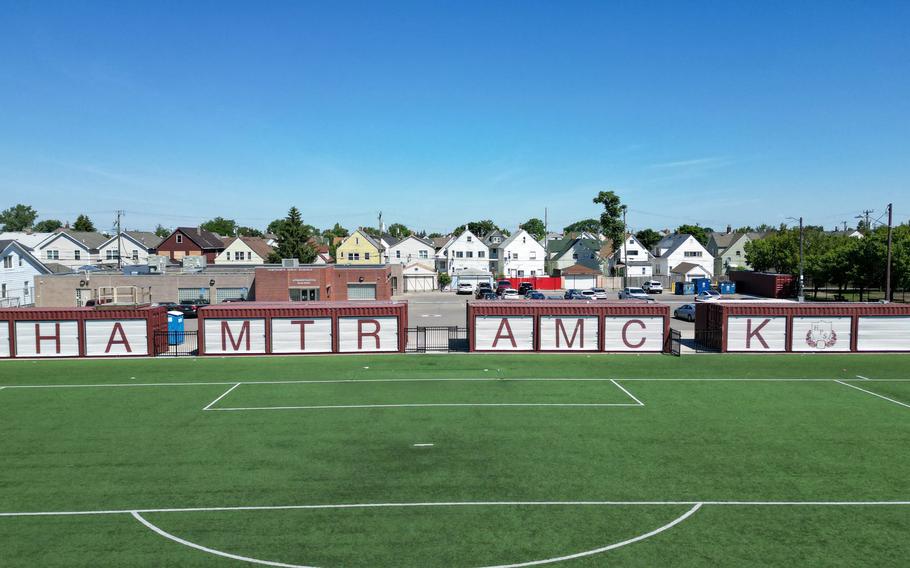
(727,287)
(684,288)
(701,284)
(175,328)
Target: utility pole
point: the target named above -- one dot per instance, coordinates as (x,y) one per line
(800,297)
(546,242)
(865,214)
(625,251)
(888,266)
(119,241)
(845,226)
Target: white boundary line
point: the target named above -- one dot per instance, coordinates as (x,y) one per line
(224,394)
(874,394)
(623,389)
(428,405)
(136,515)
(904,503)
(862,377)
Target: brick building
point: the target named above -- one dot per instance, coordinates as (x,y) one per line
(331,283)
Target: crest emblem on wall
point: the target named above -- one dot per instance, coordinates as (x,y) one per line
(821,335)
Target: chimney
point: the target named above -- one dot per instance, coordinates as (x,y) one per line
(729,229)
(199,231)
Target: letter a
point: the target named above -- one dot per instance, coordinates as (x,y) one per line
(504,323)
(118,328)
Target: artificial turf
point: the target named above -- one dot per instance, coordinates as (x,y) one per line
(695,439)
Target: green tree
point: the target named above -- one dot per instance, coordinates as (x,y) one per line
(535,228)
(399,231)
(480,228)
(611,221)
(248,232)
(220,226)
(275,227)
(47,226)
(444,280)
(583,226)
(83,223)
(648,238)
(701,234)
(336,231)
(18,217)
(293,240)
(162,231)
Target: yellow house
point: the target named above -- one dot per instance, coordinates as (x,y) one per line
(358,248)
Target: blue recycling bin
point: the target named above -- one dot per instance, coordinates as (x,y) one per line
(727,287)
(175,329)
(701,284)
(684,288)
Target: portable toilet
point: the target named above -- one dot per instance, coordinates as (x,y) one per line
(175,328)
(684,288)
(701,284)
(727,287)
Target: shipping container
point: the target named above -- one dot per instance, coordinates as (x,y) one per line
(764,284)
(538,282)
(768,327)
(101,331)
(567,326)
(260,328)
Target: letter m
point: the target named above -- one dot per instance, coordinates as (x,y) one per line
(227,335)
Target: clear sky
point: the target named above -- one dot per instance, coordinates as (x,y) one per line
(438,113)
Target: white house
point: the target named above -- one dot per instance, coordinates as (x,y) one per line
(18,268)
(136,245)
(463,252)
(674,250)
(520,255)
(638,260)
(411,249)
(571,251)
(73,249)
(244,251)
(28,240)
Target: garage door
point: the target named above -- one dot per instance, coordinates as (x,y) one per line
(419,283)
(361,291)
(581,282)
(222,294)
(192,294)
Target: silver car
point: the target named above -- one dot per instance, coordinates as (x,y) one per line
(685,312)
(599,293)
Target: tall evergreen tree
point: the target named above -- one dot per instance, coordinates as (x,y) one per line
(293,235)
(83,223)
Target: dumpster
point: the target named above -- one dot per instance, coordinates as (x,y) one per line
(175,328)
(684,288)
(727,287)
(701,284)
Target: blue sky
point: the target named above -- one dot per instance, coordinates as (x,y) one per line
(439,112)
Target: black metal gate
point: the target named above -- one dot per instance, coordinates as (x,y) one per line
(438,339)
(176,343)
(708,341)
(675,342)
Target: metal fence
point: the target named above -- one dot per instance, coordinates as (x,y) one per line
(708,341)
(176,343)
(675,342)
(439,339)
(828,294)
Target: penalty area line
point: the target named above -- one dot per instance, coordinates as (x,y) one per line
(623,389)
(905,405)
(224,394)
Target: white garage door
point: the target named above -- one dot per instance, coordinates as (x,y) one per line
(222,294)
(419,283)
(361,291)
(192,294)
(582,282)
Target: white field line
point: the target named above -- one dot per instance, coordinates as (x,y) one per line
(602,549)
(905,503)
(429,405)
(224,394)
(862,377)
(423,445)
(874,394)
(632,396)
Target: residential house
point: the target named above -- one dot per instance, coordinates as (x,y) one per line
(419,277)
(566,252)
(136,245)
(466,251)
(493,240)
(637,259)
(729,250)
(73,249)
(521,255)
(580,277)
(852,233)
(244,251)
(411,249)
(18,268)
(359,248)
(28,240)
(191,241)
(673,250)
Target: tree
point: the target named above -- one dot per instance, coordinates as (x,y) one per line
(399,231)
(162,231)
(336,231)
(18,218)
(292,240)
(479,228)
(83,223)
(444,280)
(535,228)
(220,226)
(611,220)
(648,238)
(248,232)
(701,234)
(47,226)
(275,227)
(435,236)
(583,226)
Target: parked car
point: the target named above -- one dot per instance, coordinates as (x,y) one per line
(588,295)
(633,294)
(489,296)
(685,312)
(708,296)
(599,293)
(572,294)
(503,285)
(511,294)
(483,288)
(231,300)
(190,307)
(653,287)
(535,295)
(524,288)
(465,288)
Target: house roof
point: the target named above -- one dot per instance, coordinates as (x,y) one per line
(28,240)
(685,268)
(673,242)
(142,238)
(88,239)
(504,244)
(366,237)
(417,266)
(578,269)
(416,238)
(439,242)
(205,239)
(390,240)
(488,238)
(57,268)
(255,244)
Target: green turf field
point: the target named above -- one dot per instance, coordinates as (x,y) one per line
(457,461)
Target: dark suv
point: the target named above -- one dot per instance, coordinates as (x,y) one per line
(190,307)
(524,288)
(482,289)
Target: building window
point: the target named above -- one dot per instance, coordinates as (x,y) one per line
(692,253)
(574,256)
(514,256)
(366,256)
(470,254)
(533,255)
(632,252)
(481,254)
(423,254)
(469,238)
(25,289)
(459,254)
(738,253)
(179,238)
(77,255)
(398,253)
(356,256)
(3,291)
(53,255)
(8,262)
(497,240)
(110,254)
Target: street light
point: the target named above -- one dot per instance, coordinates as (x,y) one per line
(799,296)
